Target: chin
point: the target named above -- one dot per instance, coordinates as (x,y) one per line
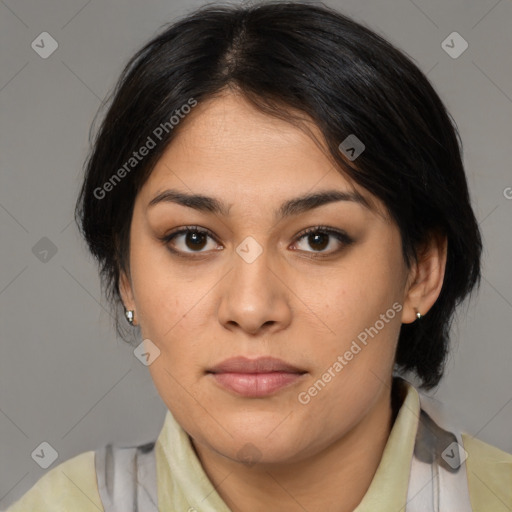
(255,445)
(259,451)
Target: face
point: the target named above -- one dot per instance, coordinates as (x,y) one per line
(320,287)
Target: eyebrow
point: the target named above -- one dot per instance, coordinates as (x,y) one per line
(290,207)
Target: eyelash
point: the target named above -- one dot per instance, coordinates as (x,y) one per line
(341,236)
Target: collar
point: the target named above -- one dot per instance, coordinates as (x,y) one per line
(388,489)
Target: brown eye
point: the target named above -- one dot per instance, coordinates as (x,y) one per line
(319,238)
(195,240)
(318,241)
(189,240)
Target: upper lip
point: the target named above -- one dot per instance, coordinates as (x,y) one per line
(259,365)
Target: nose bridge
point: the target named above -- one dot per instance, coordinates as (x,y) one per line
(251,270)
(253,296)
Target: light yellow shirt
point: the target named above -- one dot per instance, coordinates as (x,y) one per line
(184,486)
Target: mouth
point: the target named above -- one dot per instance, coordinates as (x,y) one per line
(255,378)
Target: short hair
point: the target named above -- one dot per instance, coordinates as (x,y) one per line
(287,57)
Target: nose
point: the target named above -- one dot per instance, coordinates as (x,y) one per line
(254,296)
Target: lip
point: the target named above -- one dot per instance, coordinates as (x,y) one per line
(259,365)
(259,377)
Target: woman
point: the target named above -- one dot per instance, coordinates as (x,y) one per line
(277,199)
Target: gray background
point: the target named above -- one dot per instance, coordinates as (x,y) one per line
(65,376)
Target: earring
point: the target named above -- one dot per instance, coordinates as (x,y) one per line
(130,316)
(418,315)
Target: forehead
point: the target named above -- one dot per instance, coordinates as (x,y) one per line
(227,148)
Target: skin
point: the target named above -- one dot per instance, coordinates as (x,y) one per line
(289,303)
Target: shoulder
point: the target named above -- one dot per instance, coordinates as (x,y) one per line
(489,473)
(71,485)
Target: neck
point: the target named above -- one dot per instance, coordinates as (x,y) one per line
(333,480)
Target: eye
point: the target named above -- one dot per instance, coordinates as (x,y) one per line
(320,237)
(193,239)
(190,239)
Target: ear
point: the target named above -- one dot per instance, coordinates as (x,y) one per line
(426,277)
(126,291)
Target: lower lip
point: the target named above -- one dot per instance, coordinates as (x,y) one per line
(256,384)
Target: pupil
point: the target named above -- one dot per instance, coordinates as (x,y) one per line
(197,239)
(317,236)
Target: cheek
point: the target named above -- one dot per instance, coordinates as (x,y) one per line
(171,315)
(173,311)
(357,295)
(161,296)
(359,312)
